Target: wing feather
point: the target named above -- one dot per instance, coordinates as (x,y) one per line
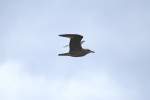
(75,41)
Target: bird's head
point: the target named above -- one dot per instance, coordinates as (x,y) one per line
(89,51)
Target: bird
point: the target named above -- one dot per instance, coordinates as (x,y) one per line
(75,46)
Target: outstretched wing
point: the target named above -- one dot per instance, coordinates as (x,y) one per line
(75,41)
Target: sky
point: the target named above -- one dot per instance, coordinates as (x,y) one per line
(117,30)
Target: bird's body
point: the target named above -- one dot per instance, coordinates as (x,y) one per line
(75,53)
(76,49)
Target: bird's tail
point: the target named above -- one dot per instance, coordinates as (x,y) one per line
(64,54)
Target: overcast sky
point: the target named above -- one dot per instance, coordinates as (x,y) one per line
(117,30)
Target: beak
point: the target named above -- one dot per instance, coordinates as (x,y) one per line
(92,51)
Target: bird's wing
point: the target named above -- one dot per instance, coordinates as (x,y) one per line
(75,41)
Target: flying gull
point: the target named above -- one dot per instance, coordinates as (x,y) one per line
(76,49)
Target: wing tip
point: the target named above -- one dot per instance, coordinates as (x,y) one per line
(70,35)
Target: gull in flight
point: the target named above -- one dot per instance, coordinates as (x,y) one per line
(76,49)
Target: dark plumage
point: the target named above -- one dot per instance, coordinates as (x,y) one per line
(76,49)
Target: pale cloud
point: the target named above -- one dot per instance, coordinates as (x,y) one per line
(18,84)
